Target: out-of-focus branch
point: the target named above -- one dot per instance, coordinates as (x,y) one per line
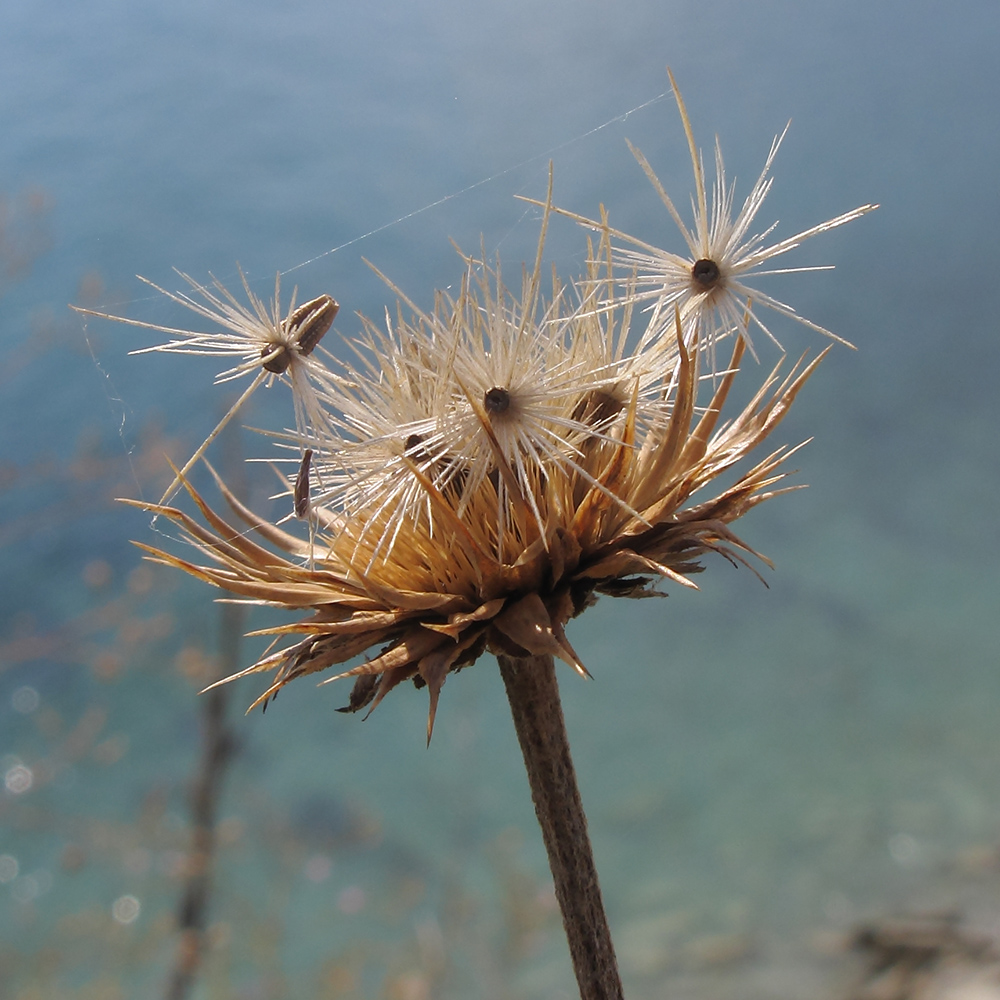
(218,747)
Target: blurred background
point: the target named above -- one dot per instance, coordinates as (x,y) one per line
(763,768)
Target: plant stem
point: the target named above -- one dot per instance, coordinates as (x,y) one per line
(533,694)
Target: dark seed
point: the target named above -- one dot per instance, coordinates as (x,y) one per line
(597,408)
(705,272)
(447,475)
(307,325)
(305,328)
(414,450)
(277,363)
(496,400)
(301,493)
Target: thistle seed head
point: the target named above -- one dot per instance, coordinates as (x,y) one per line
(480,472)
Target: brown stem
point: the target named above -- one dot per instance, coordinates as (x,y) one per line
(534,702)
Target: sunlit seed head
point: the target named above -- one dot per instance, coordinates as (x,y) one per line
(485,469)
(710,283)
(267,344)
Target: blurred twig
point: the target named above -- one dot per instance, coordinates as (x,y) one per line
(218,748)
(219,744)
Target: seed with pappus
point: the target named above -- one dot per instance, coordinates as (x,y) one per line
(270,344)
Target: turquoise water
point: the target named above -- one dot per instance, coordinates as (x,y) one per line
(762,768)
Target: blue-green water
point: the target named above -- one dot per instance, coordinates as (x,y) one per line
(762,767)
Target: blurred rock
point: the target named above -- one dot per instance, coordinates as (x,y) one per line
(927,957)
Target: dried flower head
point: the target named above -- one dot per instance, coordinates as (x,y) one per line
(433,593)
(487,468)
